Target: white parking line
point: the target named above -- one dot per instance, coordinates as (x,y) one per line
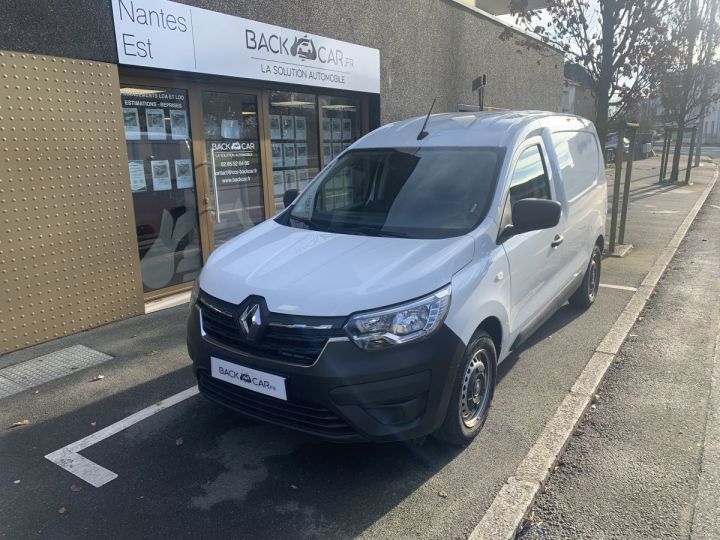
(619,287)
(68,458)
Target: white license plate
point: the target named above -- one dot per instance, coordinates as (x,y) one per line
(251,379)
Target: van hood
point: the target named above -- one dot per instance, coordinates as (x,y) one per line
(317,273)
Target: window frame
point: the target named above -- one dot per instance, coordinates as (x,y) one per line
(533,140)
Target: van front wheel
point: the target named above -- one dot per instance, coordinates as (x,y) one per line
(587,291)
(473,391)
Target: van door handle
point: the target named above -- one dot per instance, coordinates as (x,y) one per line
(557,240)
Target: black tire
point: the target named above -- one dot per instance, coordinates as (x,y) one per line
(585,295)
(466,413)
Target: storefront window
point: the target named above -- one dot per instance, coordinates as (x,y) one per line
(232,139)
(162,180)
(340,119)
(294,141)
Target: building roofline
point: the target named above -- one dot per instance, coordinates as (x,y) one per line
(492,18)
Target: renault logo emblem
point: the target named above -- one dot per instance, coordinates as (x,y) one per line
(250,321)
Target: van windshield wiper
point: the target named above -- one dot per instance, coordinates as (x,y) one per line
(371,231)
(310,223)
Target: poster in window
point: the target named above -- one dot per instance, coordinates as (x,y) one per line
(178,125)
(288,127)
(277,155)
(337,129)
(327,129)
(303,177)
(155,119)
(337,148)
(328,152)
(279,182)
(300,128)
(347,129)
(275,129)
(301,155)
(132,123)
(229,128)
(137,176)
(290,179)
(289,155)
(161,174)
(183,173)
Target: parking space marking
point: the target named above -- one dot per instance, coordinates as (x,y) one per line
(69,459)
(619,287)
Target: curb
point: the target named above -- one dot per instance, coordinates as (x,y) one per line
(510,507)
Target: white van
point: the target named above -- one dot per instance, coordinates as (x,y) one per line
(379,303)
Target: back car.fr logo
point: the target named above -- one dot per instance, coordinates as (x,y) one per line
(304,48)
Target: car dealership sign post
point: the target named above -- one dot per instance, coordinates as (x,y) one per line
(167,35)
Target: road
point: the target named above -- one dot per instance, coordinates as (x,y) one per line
(713,152)
(196,469)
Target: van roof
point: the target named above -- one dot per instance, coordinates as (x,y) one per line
(493,129)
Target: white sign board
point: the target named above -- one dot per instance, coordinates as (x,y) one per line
(168,35)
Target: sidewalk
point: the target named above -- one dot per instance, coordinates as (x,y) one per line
(634,468)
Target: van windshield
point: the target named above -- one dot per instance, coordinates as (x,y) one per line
(413,193)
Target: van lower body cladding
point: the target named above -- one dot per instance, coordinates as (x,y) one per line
(348,394)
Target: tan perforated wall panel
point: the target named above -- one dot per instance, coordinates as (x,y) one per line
(68,252)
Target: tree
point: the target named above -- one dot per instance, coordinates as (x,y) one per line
(689,85)
(620,43)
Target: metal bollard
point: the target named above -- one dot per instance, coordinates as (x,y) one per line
(619,158)
(626,190)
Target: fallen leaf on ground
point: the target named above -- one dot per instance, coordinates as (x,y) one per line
(179,441)
(98,377)
(442,494)
(93,424)
(75,488)
(153,353)
(20,423)
(16,482)
(293,486)
(61,510)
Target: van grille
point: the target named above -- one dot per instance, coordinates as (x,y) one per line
(305,417)
(289,343)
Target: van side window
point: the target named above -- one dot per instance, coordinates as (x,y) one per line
(529,179)
(578,158)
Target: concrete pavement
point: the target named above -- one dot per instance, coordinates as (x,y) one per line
(645,462)
(197,469)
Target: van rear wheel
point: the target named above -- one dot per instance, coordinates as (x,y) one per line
(472,392)
(586,293)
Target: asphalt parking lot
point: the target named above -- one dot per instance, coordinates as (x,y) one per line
(196,469)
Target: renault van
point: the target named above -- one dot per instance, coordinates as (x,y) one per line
(379,304)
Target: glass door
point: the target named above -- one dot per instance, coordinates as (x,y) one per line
(162,181)
(232,145)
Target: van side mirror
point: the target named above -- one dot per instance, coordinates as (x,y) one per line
(290,196)
(532,215)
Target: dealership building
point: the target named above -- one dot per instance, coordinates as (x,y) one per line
(136,136)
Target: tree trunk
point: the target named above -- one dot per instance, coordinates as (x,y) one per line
(687,81)
(675,174)
(604,87)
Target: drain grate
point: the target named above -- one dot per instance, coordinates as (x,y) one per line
(48,367)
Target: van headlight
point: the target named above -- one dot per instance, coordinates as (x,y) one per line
(400,324)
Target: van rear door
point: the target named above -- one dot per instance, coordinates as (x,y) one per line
(576,153)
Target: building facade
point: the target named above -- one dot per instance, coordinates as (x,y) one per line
(138,135)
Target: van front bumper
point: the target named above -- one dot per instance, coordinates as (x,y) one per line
(348,394)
